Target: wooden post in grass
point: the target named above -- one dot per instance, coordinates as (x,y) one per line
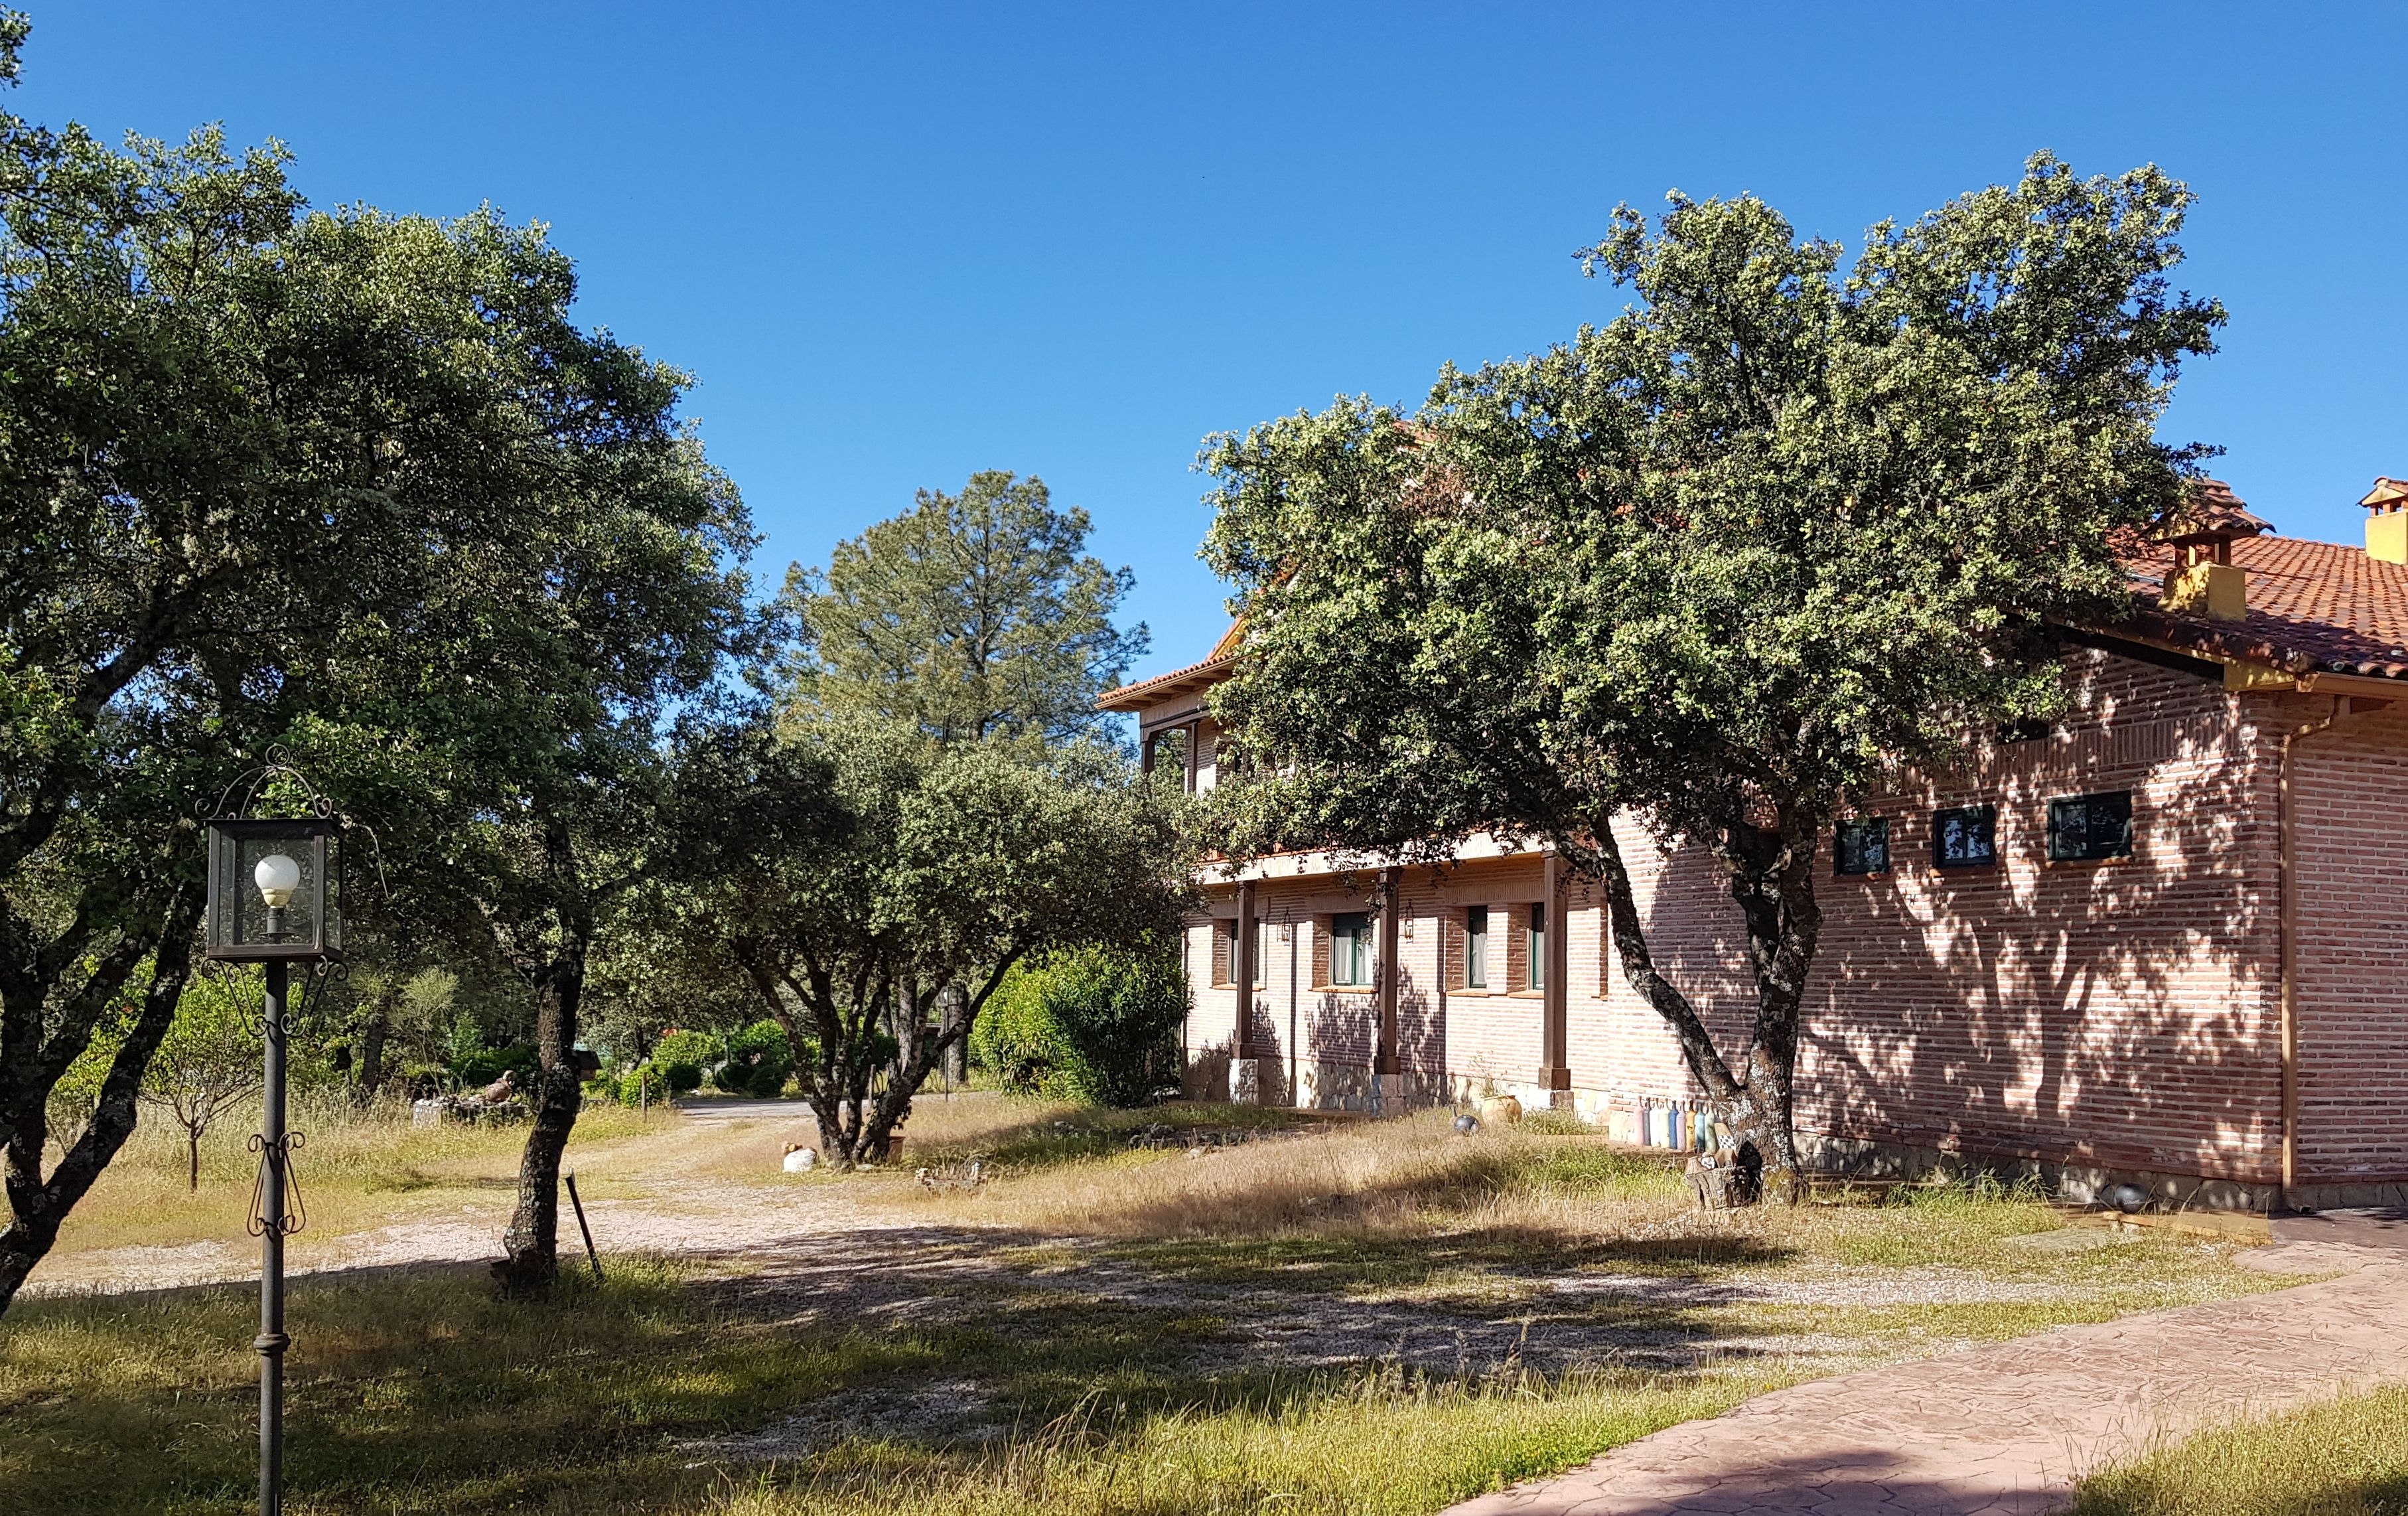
(582,1230)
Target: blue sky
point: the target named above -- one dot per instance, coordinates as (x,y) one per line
(897,244)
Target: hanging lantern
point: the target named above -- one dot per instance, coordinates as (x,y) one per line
(275,889)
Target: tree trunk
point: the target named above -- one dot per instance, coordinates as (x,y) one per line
(192,1157)
(372,1050)
(1773,879)
(38,1204)
(1771,873)
(531,1247)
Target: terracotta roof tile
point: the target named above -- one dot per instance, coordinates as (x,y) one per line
(2211,512)
(2311,606)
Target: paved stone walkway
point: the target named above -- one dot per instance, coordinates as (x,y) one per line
(2006,1430)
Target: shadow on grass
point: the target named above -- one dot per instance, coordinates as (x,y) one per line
(1354,1259)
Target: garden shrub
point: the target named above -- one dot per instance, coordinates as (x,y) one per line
(759,1060)
(699,1048)
(683,1058)
(1098,1026)
(1015,1036)
(630,1086)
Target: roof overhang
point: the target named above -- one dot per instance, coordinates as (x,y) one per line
(1162,690)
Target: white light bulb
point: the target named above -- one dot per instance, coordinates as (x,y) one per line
(277,877)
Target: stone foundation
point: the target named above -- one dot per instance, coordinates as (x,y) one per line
(2075,1183)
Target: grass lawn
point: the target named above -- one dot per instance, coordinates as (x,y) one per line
(2349,1458)
(1250,1312)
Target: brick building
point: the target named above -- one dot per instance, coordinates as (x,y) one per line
(2075,955)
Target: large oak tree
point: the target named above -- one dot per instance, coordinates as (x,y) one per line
(1715,568)
(871,890)
(352,481)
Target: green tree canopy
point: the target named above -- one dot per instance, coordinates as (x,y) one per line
(873,889)
(344,481)
(208,1062)
(971,615)
(1716,567)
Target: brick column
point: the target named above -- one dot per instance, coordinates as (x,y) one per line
(1245,1068)
(1387,1078)
(1554,1040)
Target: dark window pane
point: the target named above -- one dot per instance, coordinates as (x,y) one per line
(1862,846)
(1965,837)
(1475,947)
(2090,826)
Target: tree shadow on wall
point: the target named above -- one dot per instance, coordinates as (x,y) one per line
(2099,1012)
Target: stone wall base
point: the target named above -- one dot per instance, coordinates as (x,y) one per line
(1327,1085)
(2079,1184)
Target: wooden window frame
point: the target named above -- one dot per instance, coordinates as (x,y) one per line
(2088,807)
(1358,953)
(1987,812)
(1878,828)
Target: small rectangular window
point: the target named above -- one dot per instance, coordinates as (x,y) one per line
(1966,837)
(1538,945)
(2090,826)
(1350,949)
(1224,952)
(1475,947)
(1862,846)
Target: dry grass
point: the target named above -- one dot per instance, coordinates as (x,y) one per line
(1396,1195)
(357,1169)
(411,1393)
(1375,1445)
(2349,1458)
(1104,1304)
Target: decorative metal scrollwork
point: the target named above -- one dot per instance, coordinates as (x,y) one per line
(296,1214)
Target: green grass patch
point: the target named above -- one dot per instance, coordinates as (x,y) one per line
(2348,1458)
(407,1393)
(1374,1444)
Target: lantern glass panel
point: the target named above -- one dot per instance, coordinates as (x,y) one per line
(242,924)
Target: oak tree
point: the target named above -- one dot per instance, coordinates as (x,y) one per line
(1704,575)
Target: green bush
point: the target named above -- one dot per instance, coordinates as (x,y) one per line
(699,1048)
(681,1078)
(631,1088)
(1099,1026)
(759,1060)
(1015,1036)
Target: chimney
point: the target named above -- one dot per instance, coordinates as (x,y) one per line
(2386,521)
(2204,581)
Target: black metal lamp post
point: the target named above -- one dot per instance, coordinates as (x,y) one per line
(274,888)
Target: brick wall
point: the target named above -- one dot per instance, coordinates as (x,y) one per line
(2348,784)
(2121,1014)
